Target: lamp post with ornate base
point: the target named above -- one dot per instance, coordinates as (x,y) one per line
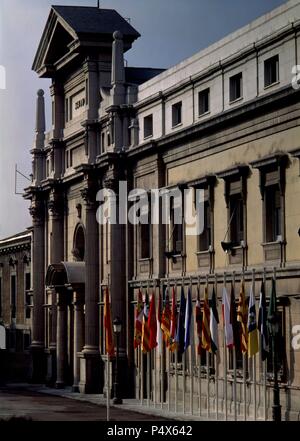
(274,328)
(117,325)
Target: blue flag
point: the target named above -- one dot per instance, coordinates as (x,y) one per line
(180,324)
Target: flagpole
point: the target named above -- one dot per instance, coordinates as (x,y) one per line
(183,366)
(191,355)
(183,378)
(244,370)
(161,365)
(264,363)
(254,357)
(234,362)
(142,359)
(225,364)
(169,364)
(176,362)
(107,391)
(154,352)
(207,366)
(148,361)
(216,360)
(199,370)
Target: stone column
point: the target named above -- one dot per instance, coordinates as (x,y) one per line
(38,269)
(118,278)
(78,337)
(56,217)
(61,339)
(91,381)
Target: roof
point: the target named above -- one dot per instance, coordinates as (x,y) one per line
(19,236)
(65,273)
(92,20)
(138,75)
(72,29)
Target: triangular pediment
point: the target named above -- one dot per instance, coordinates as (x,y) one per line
(54,44)
(70,28)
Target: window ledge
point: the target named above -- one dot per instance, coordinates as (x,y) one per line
(271,85)
(177,125)
(204,114)
(208,251)
(146,138)
(237,100)
(145,259)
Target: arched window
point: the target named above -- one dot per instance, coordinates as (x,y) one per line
(79,243)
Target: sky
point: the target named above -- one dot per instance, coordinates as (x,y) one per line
(171,30)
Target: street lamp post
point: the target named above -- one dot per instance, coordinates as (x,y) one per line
(274,327)
(117,325)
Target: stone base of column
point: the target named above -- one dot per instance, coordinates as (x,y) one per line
(51,366)
(91,373)
(38,370)
(59,385)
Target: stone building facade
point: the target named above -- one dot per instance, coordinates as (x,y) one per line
(15,305)
(225,121)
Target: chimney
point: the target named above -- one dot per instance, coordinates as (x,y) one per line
(118,69)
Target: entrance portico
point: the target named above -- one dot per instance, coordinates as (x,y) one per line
(67,279)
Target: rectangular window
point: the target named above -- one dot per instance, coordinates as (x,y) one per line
(236,87)
(236,213)
(203,101)
(27,295)
(205,237)
(273,213)
(271,71)
(13,296)
(87,92)
(145,240)
(66,110)
(102,142)
(148,126)
(176,233)
(176,114)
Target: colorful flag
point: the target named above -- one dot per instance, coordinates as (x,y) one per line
(206,345)
(188,322)
(252,326)
(226,319)
(109,343)
(199,322)
(214,321)
(138,320)
(145,328)
(166,319)
(152,323)
(262,323)
(180,326)
(159,331)
(173,321)
(242,318)
(233,320)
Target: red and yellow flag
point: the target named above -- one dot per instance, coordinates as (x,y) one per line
(242,317)
(152,323)
(145,328)
(166,320)
(109,342)
(138,326)
(206,343)
(173,329)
